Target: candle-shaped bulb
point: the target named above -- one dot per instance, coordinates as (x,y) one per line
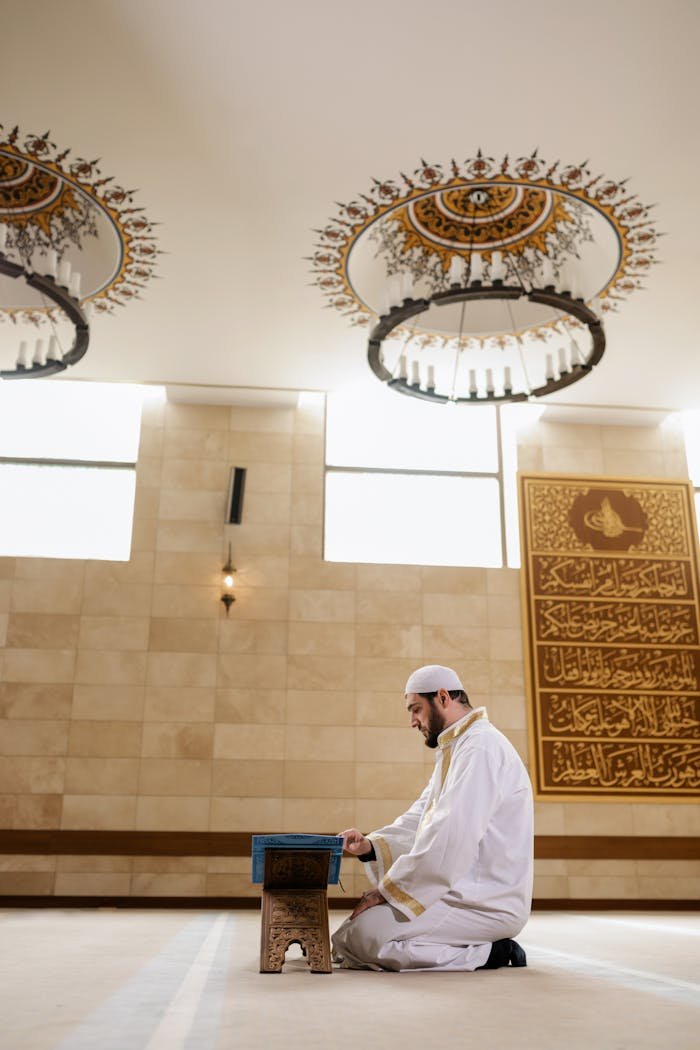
(51,264)
(395,291)
(489,381)
(497,266)
(563,363)
(228,579)
(547,271)
(431,377)
(507,383)
(456,268)
(64,269)
(52,352)
(476,270)
(23,356)
(415,374)
(549,367)
(472,381)
(38,358)
(74,286)
(403,367)
(406,286)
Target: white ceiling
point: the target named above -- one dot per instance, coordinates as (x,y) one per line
(242,123)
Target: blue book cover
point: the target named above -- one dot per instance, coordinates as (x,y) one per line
(334,843)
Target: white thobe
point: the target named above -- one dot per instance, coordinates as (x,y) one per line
(456,868)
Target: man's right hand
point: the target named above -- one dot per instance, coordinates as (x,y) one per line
(355,842)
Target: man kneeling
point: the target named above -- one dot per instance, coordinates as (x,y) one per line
(453,875)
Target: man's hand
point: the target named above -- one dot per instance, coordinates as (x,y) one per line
(370,899)
(355,842)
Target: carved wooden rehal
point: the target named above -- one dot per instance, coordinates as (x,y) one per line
(295,908)
(610,608)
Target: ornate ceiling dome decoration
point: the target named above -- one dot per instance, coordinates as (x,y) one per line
(490,277)
(71,242)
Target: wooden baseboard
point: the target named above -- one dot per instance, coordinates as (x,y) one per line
(335,903)
(238,844)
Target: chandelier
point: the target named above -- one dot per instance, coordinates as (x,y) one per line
(486,281)
(72,245)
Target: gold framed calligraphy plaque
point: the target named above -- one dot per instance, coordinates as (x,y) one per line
(612,638)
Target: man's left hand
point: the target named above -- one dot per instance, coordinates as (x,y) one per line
(370,899)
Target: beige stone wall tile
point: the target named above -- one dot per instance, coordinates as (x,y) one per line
(68,570)
(602,886)
(228,865)
(307,477)
(94,667)
(504,643)
(308,448)
(180,416)
(669,869)
(379,675)
(503,581)
(146,885)
(310,416)
(675,465)
(98,812)
(508,712)
(116,599)
(579,436)
(388,607)
(319,743)
(376,744)
(249,742)
(325,639)
(642,439)
(252,636)
(45,596)
(179,704)
(507,676)
(36,700)
(33,737)
(246,814)
(105,739)
(188,602)
(150,441)
(551,867)
(190,535)
(389,640)
(442,644)
(455,610)
(148,471)
(139,569)
(27,862)
(267,508)
(306,541)
(307,508)
(7,568)
(39,665)
(244,670)
(504,611)
(122,703)
(322,606)
(447,579)
(259,706)
(170,865)
(177,740)
(573,460)
(262,420)
(252,539)
(372,814)
(94,865)
(314,574)
(8,806)
(186,505)
(318,817)
(175,776)
(589,818)
(198,475)
(95,776)
(621,463)
(113,632)
(677,888)
(26,883)
(194,569)
(4,621)
(92,884)
(143,535)
(321,780)
(381,708)
(196,444)
(264,571)
(389,779)
(181,669)
(41,631)
(172,634)
(233,885)
(268,477)
(241,778)
(250,447)
(6,591)
(37,811)
(162,813)
(260,603)
(550,887)
(320,672)
(658,818)
(319,707)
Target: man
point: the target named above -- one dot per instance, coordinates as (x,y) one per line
(453,875)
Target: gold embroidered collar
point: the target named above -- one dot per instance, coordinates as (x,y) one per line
(449,735)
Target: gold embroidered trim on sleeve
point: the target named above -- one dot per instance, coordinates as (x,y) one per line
(401,896)
(385,852)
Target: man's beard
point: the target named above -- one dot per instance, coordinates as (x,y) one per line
(435,727)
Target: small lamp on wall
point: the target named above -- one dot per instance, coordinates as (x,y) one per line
(228,582)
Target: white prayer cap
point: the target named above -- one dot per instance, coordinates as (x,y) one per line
(432,677)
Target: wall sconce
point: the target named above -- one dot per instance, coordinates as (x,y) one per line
(228,582)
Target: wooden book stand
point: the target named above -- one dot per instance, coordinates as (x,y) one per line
(295,908)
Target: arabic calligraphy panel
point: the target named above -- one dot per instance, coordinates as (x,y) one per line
(610,602)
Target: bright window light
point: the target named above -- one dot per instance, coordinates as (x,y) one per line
(388,431)
(691,432)
(412,519)
(41,419)
(66,512)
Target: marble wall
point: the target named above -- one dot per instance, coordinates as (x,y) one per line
(128,700)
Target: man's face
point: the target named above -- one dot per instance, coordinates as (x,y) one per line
(426,716)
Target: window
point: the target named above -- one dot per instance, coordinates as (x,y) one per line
(691,432)
(409,482)
(67,468)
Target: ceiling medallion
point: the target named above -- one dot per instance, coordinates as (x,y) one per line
(485,281)
(72,243)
